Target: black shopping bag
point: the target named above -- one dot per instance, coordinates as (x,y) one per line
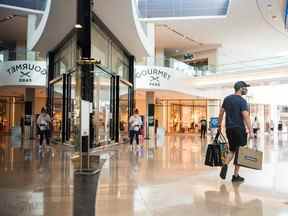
(213,155)
(216,151)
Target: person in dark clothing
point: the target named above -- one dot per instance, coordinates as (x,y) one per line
(22,126)
(203,130)
(156,126)
(237,117)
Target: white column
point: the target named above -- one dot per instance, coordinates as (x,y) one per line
(151,38)
(150,99)
(160,56)
(31,26)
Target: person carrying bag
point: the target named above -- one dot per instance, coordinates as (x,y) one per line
(237,122)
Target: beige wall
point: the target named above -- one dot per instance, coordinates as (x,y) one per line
(39,103)
(141,106)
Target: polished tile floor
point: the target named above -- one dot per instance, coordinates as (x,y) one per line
(170,179)
(163,178)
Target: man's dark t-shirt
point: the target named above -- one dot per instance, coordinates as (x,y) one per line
(234,105)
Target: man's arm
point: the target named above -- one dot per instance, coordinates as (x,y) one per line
(247,122)
(220,117)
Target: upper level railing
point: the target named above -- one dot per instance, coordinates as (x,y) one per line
(19,55)
(182,8)
(198,71)
(29,4)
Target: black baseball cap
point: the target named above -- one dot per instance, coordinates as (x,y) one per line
(240,84)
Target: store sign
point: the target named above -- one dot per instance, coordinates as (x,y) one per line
(162,78)
(23,73)
(153,76)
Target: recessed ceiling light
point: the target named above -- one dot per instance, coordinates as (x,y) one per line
(78,26)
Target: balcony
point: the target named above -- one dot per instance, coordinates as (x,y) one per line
(186,70)
(28,4)
(19,55)
(182,68)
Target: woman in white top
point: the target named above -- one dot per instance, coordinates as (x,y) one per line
(135,123)
(43,122)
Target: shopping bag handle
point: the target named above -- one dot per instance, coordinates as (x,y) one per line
(254,146)
(219,134)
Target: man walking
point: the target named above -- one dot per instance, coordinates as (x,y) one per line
(237,116)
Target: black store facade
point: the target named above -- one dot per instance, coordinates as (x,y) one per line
(107,85)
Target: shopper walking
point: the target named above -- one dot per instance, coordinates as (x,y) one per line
(237,116)
(43,122)
(203,130)
(255,126)
(135,123)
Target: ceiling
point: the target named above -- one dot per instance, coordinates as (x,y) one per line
(253,29)
(14,29)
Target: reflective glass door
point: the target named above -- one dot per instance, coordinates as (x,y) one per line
(123,111)
(102,107)
(57,109)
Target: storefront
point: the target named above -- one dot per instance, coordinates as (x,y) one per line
(110,84)
(22,91)
(181,116)
(179,108)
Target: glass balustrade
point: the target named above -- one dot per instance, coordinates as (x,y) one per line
(19,55)
(194,71)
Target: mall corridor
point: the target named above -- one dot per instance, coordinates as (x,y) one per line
(168,178)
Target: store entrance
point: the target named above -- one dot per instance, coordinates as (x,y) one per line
(103,106)
(181,116)
(57,110)
(12,106)
(11,112)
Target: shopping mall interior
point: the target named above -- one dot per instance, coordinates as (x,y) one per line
(108,108)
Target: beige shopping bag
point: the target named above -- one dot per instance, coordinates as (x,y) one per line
(250,158)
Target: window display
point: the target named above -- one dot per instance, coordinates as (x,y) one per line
(181,116)
(57,111)
(124,112)
(102,100)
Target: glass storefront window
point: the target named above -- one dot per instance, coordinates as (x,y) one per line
(123,112)
(100,46)
(102,101)
(181,116)
(120,63)
(112,57)
(65,58)
(74,108)
(57,111)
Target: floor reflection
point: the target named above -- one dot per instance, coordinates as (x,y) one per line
(158,179)
(171,179)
